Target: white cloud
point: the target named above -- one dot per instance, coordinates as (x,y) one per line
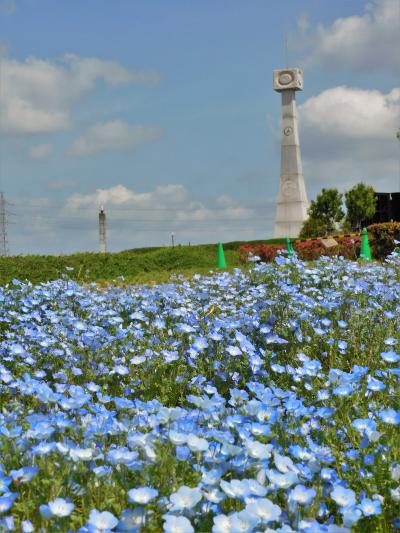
(361,42)
(167,205)
(38,94)
(40,151)
(226,200)
(113,135)
(349,134)
(171,197)
(351,113)
(114,196)
(134,219)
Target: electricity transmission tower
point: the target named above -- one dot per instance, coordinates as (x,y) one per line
(3,226)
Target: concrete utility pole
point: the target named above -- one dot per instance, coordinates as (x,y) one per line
(102,231)
(3,226)
(292,202)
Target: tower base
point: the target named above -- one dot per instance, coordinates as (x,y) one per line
(290,217)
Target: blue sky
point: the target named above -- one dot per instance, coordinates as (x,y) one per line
(164,112)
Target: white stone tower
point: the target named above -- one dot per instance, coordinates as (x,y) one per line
(102,231)
(3,226)
(292,203)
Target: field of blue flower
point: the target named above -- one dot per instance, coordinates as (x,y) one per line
(257,401)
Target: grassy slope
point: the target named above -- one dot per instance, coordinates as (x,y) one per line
(137,265)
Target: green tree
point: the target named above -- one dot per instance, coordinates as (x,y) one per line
(360,204)
(323,214)
(313,227)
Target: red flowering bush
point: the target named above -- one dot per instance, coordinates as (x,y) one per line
(266,252)
(383,237)
(348,247)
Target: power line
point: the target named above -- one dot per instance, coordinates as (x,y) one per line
(31,205)
(176,231)
(65,218)
(156,220)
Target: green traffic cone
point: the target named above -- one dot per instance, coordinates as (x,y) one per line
(365,252)
(221,261)
(289,247)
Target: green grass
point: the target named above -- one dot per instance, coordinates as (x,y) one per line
(139,265)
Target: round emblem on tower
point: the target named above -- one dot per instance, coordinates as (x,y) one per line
(286,77)
(288,130)
(289,188)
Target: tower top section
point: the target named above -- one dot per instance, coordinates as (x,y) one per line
(288,78)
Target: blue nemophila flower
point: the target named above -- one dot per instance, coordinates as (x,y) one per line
(352,454)
(390,416)
(200,344)
(370,507)
(265,510)
(344,390)
(395,494)
(27,526)
(7,500)
(132,520)
(102,521)
(328,474)
(233,350)
(122,370)
(44,448)
(394,470)
(284,464)
(350,515)
(177,438)
(282,481)
(214,495)
(24,474)
(221,524)
(323,394)
(4,483)
(369,459)
(302,495)
(81,454)
(7,523)
(374,384)
(365,426)
(60,507)
(185,498)
(258,450)
(255,488)
(121,456)
(177,524)
(243,521)
(235,488)
(342,496)
(197,444)
(45,512)
(390,357)
(142,495)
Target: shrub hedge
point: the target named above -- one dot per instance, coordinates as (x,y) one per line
(383,237)
(348,247)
